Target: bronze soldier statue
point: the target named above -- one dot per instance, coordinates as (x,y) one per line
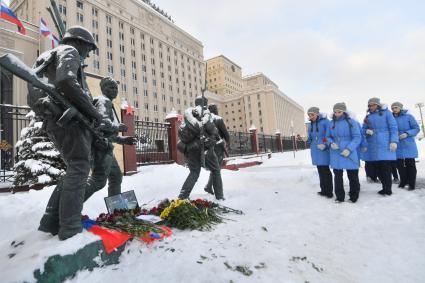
(62,67)
(196,134)
(220,148)
(105,166)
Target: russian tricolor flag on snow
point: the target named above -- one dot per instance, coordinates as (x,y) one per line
(9,16)
(45,31)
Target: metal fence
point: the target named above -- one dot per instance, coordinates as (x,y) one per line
(240,144)
(152,145)
(12,120)
(267,143)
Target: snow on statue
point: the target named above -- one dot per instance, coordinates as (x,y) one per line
(37,159)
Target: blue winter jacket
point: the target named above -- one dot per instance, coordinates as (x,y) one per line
(385,131)
(407,124)
(346,134)
(363,144)
(317,135)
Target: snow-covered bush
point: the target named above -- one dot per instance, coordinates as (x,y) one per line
(37,159)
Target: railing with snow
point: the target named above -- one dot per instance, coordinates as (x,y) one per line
(12,120)
(152,145)
(240,144)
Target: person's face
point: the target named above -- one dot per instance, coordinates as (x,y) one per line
(338,113)
(396,109)
(372,107)
(312,116)
(110,90)
(83,49)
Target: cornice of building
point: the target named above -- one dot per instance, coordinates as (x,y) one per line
(167,21)
(224,57)
(128,17)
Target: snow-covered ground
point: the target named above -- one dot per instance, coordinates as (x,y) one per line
(288,232)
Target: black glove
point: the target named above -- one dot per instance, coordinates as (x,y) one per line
(128,140)
(122,127)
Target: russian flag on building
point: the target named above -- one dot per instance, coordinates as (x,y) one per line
(45,31)
(9,16)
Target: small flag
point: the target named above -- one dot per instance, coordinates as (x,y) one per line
(9,16)
(45,31)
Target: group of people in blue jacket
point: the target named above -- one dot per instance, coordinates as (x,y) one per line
(384,137)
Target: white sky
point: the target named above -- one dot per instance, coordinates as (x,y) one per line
(318,52)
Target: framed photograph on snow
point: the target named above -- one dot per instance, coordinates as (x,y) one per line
(126,200)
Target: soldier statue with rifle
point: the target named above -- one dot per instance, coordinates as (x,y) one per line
(65,72)
(58,94)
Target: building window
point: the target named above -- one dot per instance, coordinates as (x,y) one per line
(94,12)
(80,5)
(108,19)
(110,69)
(80,17)
(62,9)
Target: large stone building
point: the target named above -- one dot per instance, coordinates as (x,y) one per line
(13,90)
(252,100)
(159,65)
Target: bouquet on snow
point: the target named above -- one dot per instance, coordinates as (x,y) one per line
(193,215)
(182,214)
(126,221)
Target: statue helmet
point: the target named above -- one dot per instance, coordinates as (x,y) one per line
(201,101)
(80,33)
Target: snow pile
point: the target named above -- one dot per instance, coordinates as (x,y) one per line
(288,233)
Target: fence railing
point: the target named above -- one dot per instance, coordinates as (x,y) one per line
(240,144)
(12,120)
(152,145)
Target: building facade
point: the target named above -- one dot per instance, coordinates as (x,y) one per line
(251,101)
(13,89)
(224,76)
(160,66)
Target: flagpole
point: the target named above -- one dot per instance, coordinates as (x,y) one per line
(39,33)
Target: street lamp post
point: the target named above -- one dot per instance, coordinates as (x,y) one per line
(420,105)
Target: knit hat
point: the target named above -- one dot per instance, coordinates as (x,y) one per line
(374,100)
(340,106)
(397,104)
(314,110)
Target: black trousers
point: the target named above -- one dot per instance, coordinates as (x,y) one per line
(325,177)
(383,168)
(407,170)
(370,169)
(394,169)
(353,177)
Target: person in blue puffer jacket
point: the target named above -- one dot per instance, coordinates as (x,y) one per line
(380,129)
(407,151)
(344,138)
(319,150)
(369,166)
